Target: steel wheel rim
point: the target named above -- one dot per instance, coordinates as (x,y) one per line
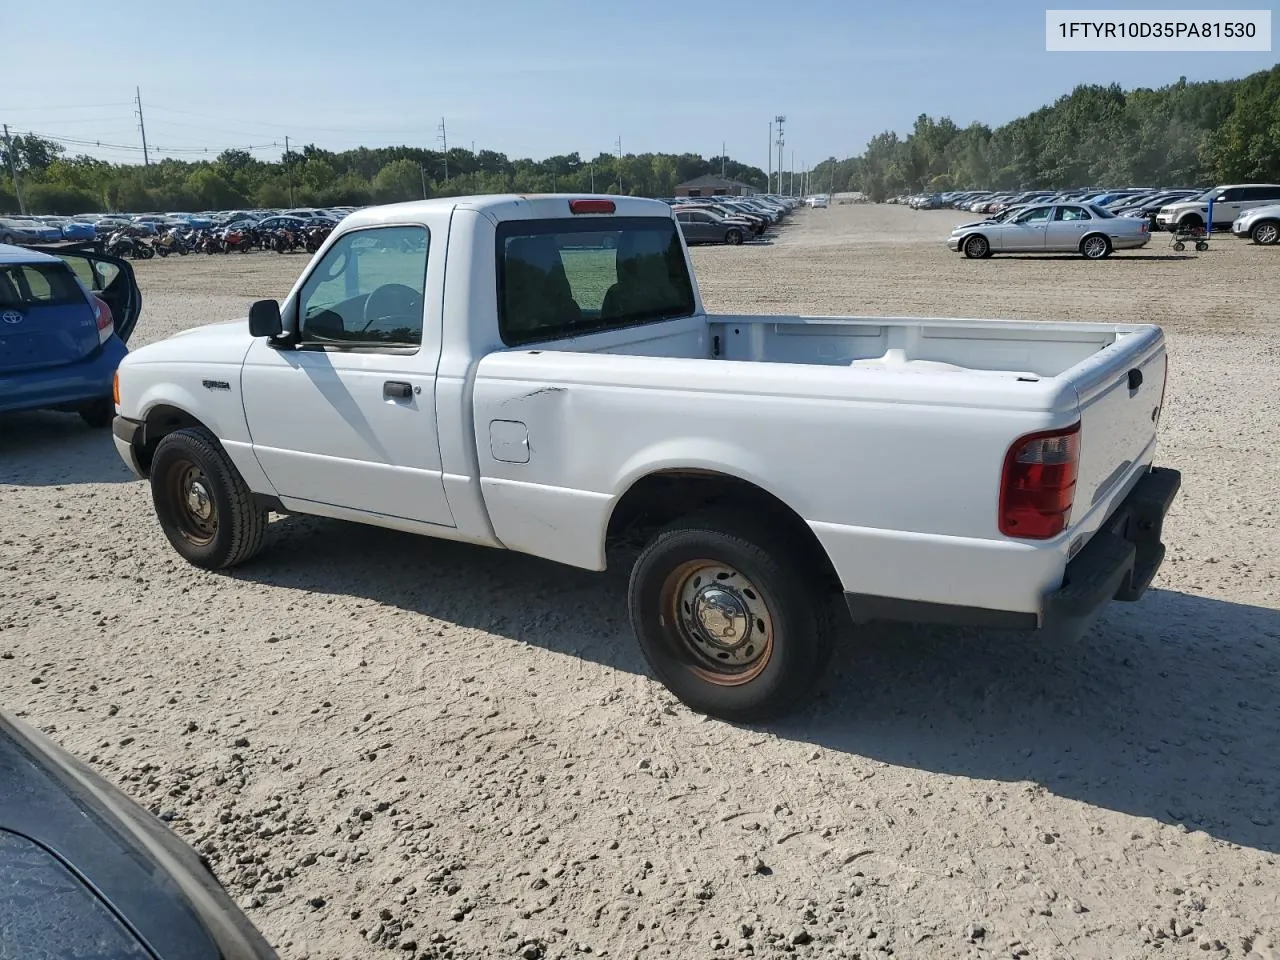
(195,512)
(720,622)
(1095,247)
(1267,233)
(977,245)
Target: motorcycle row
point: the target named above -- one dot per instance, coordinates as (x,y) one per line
(134,245)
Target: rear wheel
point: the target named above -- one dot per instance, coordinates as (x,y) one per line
(99,413)
(1095,247)
(977,247)
(1266,232)
(733,237)
(728,615)
(202,503)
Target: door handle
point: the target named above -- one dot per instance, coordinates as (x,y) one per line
(396,390)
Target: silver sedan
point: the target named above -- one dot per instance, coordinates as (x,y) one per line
(1052,228)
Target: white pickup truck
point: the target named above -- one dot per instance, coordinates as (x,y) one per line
(537,373)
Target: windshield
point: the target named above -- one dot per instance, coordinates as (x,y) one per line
(563,278)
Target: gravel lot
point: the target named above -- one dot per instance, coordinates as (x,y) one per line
(385,743)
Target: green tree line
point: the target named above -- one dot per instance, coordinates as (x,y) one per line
(51,182)
(1184,134)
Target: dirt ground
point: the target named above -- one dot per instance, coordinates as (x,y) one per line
(385,743)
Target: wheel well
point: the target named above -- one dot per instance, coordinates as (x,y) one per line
(161,421)
(1094,233)
(662,498)
(970,236)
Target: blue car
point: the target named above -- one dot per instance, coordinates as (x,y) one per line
(78,230)
(64,322)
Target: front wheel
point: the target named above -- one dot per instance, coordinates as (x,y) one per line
(1095,247)
(1266,233)
(977,247)
(202,502)
(727,615)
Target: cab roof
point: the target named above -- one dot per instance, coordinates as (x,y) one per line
(504,206)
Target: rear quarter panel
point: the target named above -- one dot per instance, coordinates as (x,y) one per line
(897,475)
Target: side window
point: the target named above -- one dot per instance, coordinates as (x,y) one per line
(1037,215)
(1230,195)
(368,290)
(1071,213)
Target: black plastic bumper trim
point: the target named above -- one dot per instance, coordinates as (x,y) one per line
(130,431)
(1118,563)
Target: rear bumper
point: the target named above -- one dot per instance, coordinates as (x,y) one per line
(1118,563)
(62,385)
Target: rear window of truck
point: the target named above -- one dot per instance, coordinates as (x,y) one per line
(564,278)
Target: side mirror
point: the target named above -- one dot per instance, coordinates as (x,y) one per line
(264,319)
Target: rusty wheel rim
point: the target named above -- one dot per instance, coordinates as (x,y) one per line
(719,620)
(195,512)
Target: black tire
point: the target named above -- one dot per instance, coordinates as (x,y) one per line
(217,526)
(1265,232)
(162,252)
(1095,247)
(785,611)
(733,237)
(1179,245)
(1189,223)
(7,238)
(977,247)
(99,413)
(1202,246)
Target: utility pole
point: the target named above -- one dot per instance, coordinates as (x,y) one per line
(768,177)
(422,172)
(619,164)
(146,160)
(721,159)
(444,142)
(780,120)
(591,164)
(791,184)
(13,169)
(288,168)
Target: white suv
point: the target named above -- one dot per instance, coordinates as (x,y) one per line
(1228,203)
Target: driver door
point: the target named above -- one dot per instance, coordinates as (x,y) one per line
(347,418)
(1026,231)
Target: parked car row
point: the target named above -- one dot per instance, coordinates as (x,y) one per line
(90,226)
(1245,209)
(731,220)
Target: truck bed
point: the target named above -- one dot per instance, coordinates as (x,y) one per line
(1007,349)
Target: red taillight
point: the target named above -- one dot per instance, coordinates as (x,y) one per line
(1038,485)
(102,313)
(591,206)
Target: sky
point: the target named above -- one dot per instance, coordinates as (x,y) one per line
(535,78)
